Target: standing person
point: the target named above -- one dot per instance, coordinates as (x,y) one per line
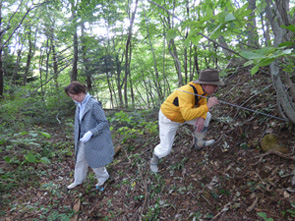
(93,140)
(183,106)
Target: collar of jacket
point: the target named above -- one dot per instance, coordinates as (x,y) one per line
(199,88)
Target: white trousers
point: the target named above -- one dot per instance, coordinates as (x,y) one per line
(168,130)
(81,168)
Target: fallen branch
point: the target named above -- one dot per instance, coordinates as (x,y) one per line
(285,156)
(250,208)
(225,208)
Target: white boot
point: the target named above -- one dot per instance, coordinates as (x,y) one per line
(199,141)
(154,164)
(73,185)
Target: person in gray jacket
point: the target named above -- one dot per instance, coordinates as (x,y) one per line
(93,140)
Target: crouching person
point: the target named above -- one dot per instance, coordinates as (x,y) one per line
(93,140)
(184,106)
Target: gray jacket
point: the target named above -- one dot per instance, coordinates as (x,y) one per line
(99,150)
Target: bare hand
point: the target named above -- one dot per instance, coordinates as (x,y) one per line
(212,101)
(200,124)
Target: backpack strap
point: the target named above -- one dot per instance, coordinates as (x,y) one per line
(196,94)
(176,103)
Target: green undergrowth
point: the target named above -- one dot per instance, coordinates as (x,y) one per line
(33,155)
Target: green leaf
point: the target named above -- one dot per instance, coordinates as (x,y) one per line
(265,61)
(229,17)
(218,27)
(195,40)
(31,158)
(248,63)
(251,55)
(287,43)
(7,159)
(45,160)
(33,134)
(289,27)
(187,43)
(171,34)
(285,52)
(23,133)
(47,135)
(254,69)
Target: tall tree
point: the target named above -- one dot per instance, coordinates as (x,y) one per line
(74,74)
(9,28)
(277,14)
(128,56)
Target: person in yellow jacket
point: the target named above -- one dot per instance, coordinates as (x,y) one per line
(183,106)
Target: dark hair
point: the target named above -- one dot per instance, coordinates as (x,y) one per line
(75,87)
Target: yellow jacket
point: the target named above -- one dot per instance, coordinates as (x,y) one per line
(180,106)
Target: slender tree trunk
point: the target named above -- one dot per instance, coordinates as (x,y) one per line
(127,58)
(48,52)
(16,67)
(55,65)
(196,62)
(85,61)
(265,30)
(29,58)
(173,52)
(1,75)
(40,71)
(157,83)
(1,46)
(251,26)
(74,75)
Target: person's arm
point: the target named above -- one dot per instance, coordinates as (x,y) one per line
(100,118)
(187,109)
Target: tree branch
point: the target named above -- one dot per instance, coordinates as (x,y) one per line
(170,13)
(23,18)
(30,94)
(224,47)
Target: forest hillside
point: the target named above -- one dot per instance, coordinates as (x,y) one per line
(232,180)
(131,55)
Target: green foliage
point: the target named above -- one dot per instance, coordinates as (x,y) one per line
(267,55)
(264,56)
(264,216)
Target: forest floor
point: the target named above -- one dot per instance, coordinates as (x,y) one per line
(232,180)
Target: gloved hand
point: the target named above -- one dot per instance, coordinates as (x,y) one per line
(86,137)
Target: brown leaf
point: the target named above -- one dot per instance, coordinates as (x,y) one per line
(76,208)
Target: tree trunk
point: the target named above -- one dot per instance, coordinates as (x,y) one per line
(1,74)
(118,78)
(157,83)
(16,67)
(29,58)
(74,75)
(85,62)
(127,58)
(55,66)
(251,26)
(284,98)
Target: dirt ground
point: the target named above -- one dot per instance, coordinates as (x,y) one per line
(232,180)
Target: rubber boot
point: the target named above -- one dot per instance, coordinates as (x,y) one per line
(154,163)
(199,141)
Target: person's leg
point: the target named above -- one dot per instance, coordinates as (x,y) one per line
(167,133)
(101,174)
(81,167)
(199,141)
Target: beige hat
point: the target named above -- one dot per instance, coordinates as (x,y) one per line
(209,76)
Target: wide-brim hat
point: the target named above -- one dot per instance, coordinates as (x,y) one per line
(209,76)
